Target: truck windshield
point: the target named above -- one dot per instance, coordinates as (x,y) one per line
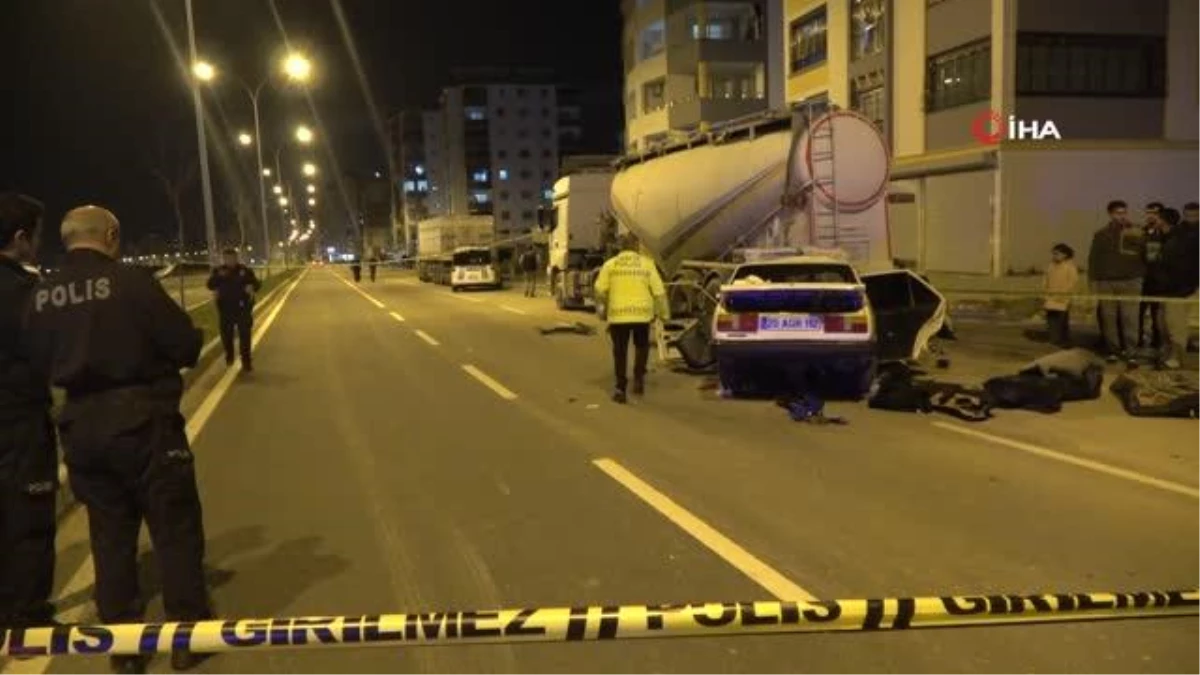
(466,258)
(807,273)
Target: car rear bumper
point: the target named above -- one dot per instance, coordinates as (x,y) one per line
(793,350)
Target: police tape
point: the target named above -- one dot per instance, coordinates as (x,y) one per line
(597,623)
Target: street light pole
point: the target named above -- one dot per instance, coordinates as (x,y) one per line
(262,183)
(205,182)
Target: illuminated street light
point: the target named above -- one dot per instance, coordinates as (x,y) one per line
(312,189)
(297,67)
(312,202)
(267,172)
(278,189)
(283,201)
(304,135)
(204,71)
(310,169)
(245,138)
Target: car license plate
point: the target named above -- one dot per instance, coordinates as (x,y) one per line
(791,322)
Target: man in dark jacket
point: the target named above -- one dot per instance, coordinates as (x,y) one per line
(28,450)
(529,268)
(1177,276)
(1116,267)
(1149,327)
(235,285)
(111,337)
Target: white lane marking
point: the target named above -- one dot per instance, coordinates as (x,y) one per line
(209,405)
(467,298)
(397,317)
(82,577)
(195,305)
(1092,465)
(363,293)
(487,381)
(741,559)
(426,337)
(514,310)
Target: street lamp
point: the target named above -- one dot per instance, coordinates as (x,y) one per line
(204,71)
(297,67)
(304,135)
(266,173)
(312,189)
(278,189)
(283,201)
(312,202)
(245,139)
(310,169)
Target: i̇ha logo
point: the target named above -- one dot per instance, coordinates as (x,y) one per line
(990,127)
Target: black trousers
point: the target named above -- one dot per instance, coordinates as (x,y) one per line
(239,320)
(1148,314)
(126,472)
(356,270)
(28,494)
(621,334)
(372,268)
(530,283)
(1058,322)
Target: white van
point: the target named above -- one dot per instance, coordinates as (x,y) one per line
(473,267)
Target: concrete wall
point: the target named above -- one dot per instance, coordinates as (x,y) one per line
(952,128)
(776,55)
(1182,62)
(831,77)
(1054,195)
(1128,17)
(953,23)
(455,182)
(1097,118)
(958,221)
(908,77)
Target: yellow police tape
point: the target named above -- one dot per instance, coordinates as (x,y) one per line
(598,623)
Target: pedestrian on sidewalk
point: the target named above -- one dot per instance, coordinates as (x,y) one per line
(1116,267)
(356,269)
(529,268)
(629,295)
(28,449)
(1062,277)
(111,337)
(234,286)
(1178,276)
(1149,328)
(373,263)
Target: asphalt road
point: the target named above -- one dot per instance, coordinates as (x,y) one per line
(448,460)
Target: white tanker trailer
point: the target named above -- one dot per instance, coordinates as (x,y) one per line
(797,181)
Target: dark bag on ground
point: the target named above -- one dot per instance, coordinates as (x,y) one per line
(1080,373)
(1151,393)
(1026,392)
(895,389)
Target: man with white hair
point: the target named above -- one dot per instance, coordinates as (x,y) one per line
(111,337)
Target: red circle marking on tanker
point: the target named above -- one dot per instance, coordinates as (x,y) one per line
(860,140)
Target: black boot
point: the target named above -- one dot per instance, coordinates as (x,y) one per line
(618,396)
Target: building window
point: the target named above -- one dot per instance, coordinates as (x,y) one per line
(480,197)
(733,81)
(410,186)
(960,76)
(653,41)
(502,173)
(867,32)
(423,186)
(502,154)
(500,111)
(476,114)
(546,153)
(527,215)
(524,153)
(479,175)
(522,133)
(505,215)
(503,195)
(548,194)
(526,174)
(654,95)
(526,194)
(808,45)
(869,100)
(631,104)
(1090,65)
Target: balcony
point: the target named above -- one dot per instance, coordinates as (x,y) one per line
(690,112)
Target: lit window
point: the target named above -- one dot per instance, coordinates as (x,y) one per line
(476,114)
(548,195)
(503,174)
(480,176)
(480,197)
(654,95)
(867,28)
(409,186)
(808,46)
(960,76)
(420,170)
(422,186)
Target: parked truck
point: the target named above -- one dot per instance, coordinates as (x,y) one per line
(581,229)
(439,238)
(802,180)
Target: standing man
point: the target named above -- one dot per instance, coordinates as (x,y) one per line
(1149,327)
(1179,277)
(28,451)
(356,268)
(373,263)
(1116,267)
(630,295)
(529,267)
(115,341)
(234,285)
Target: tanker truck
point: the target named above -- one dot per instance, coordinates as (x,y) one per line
(811,181)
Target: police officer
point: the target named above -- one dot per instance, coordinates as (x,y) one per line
(111,337)
(28,451)
(630,295)
(235,285)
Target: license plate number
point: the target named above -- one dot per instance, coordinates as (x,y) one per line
(802,322)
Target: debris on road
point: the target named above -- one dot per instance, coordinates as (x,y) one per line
(897,389)
(1045,384)
(577,328)
(1166,393)
(808,408)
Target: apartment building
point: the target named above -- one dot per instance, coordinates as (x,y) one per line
(690,62)
(941,78)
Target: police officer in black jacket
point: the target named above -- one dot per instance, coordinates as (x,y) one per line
(111,337)
(235,286)
(28,451)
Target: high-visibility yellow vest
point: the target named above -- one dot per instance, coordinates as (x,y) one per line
(630,289)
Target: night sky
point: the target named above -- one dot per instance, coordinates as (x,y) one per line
(95,101)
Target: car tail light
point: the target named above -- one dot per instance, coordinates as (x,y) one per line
(738,323)
(845,323)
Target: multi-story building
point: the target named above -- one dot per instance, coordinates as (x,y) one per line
(417,156)
(690,62)
(943,78)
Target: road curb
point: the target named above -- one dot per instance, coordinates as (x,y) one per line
(209,355)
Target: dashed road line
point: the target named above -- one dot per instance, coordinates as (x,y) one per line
(397,317)
(1091,465)
(363,293)
(745,562)
(514,310)
(426,337)
(487,381)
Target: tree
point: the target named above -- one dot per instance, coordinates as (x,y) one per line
(176,171)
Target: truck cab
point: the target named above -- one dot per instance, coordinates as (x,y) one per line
(579,222)
(473,267)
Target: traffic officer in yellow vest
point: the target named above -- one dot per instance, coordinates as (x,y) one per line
(630,295)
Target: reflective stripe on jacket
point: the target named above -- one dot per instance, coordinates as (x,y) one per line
(631,290)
